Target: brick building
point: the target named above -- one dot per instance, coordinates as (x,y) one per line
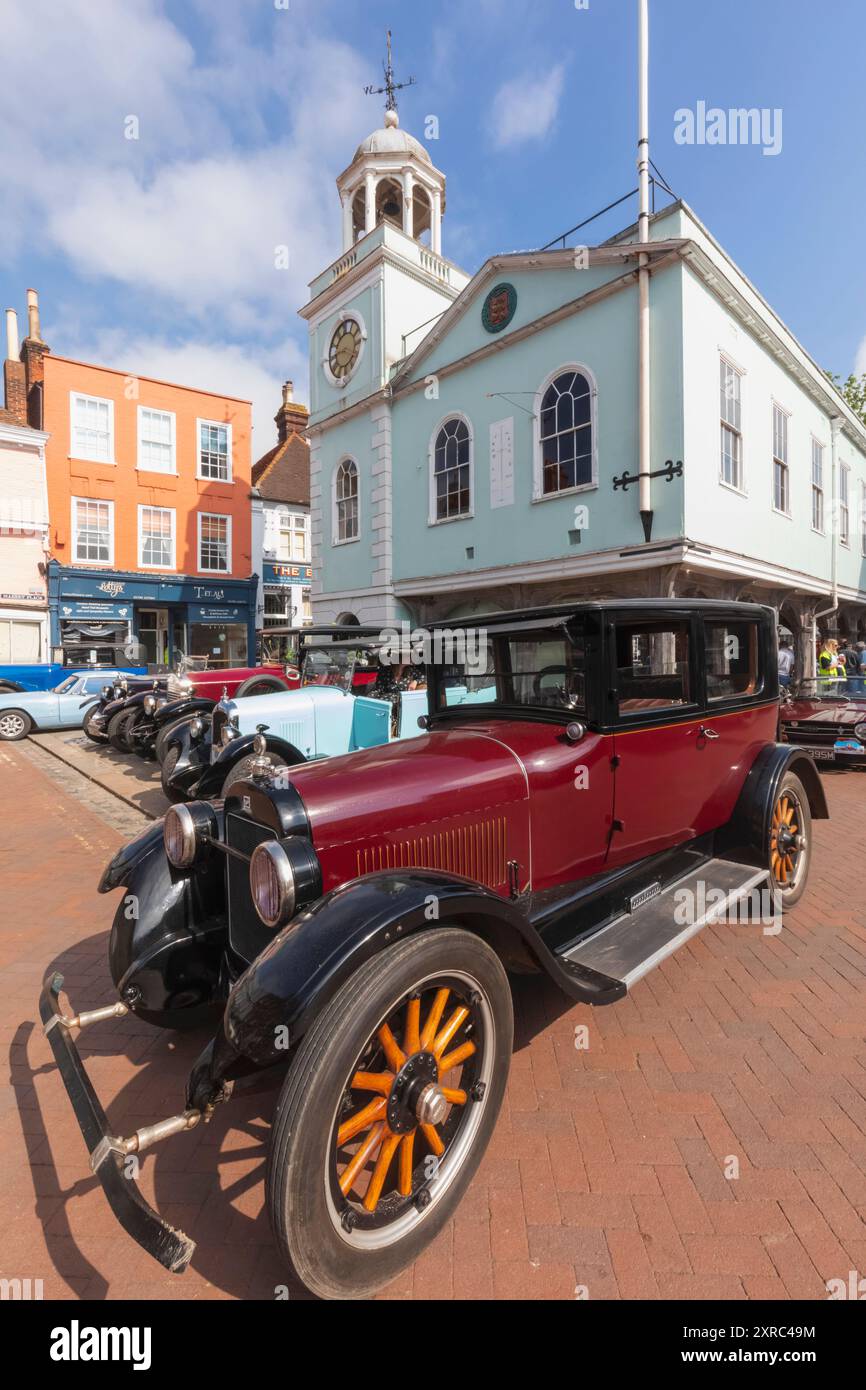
(281,520)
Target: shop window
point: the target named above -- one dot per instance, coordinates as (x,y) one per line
(214,542)
(156,537)
(223,644)
(92,532)
(156,440)
(214,451)
(92,432)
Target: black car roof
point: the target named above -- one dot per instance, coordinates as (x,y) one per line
(630,605)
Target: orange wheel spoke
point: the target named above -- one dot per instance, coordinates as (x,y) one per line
(359,1159)
(406,1148)
(412,1037)
(393,1056)
(362,1120)
(455,1097)
(433,1140)
(454,1058)
(437,1008)
(380,1081)
(443,1038)
(380,1172)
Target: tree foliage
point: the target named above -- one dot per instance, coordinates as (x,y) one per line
(854,391)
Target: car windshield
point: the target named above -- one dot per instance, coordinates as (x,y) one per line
(816,688)
(66,686)
(530,671)
(191,663)
(329,666)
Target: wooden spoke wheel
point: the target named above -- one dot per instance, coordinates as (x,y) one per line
(790,845)
(387,1110)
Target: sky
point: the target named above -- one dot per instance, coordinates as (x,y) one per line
(184,253)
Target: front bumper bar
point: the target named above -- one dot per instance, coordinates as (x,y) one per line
(172,1248)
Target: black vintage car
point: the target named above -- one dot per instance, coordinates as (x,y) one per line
(597,783)
(118,700)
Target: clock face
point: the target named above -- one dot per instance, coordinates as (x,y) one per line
(345,348)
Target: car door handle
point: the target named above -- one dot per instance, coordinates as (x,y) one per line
(704,732)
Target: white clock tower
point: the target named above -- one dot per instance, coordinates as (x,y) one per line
(368,311)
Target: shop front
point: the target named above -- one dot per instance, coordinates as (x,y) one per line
(286,593)
(154,621)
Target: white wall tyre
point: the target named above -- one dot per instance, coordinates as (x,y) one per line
(14,724)
(387,1110)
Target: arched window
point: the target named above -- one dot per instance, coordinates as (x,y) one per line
(346,501)
(566,454)
(451,479)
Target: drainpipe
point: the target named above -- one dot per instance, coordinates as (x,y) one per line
(835,430)
(643,275)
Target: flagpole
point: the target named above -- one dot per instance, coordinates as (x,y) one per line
(644,418)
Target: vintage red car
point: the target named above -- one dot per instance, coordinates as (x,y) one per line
(829,718)
(209,682)
(596,783)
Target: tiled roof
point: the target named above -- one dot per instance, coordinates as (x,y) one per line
(283,473)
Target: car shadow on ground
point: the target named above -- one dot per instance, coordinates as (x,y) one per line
(135,778)
(208,1182)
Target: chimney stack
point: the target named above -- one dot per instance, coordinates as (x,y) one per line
(14,375)
(33,352)
(33,316)
(291,418)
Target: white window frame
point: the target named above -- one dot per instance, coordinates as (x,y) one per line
(845,506)
(221,425)
(223,516)
(432,518)
(776,458)
(725,361)
(293,529)
(814,488)
(335,528)
(148,467)
(172,564)
(93,564)
(97,400)
(538,493)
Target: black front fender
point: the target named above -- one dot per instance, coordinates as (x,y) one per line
(169,931)
(749,827)
(188,707)
(277,998)
(211,781)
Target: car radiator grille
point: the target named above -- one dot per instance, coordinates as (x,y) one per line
(247,932)
(477,851)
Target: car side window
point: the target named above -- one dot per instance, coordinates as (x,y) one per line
(653,666)
(733,654)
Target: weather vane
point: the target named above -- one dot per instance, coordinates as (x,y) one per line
(390,86)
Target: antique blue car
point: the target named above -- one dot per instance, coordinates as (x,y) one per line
(47,675)
(348,699)
(64,707)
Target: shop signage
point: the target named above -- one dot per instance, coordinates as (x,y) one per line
(92,608)
(113,587)
(286,574)
(224,613)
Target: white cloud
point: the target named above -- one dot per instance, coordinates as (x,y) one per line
(526,107)
(193,211)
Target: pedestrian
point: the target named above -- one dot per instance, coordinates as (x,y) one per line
(786,662)
(860,681)
(829,669)
(851,659)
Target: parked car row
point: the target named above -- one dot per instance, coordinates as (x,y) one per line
(368,857)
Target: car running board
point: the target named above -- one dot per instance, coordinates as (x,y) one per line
(637,941)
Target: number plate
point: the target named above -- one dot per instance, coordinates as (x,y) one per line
(825,755)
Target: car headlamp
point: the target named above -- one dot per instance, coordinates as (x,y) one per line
(860,731)
(284,874)
(196,728)
(107,692)
(150,703)
(230,730)
(184,830)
